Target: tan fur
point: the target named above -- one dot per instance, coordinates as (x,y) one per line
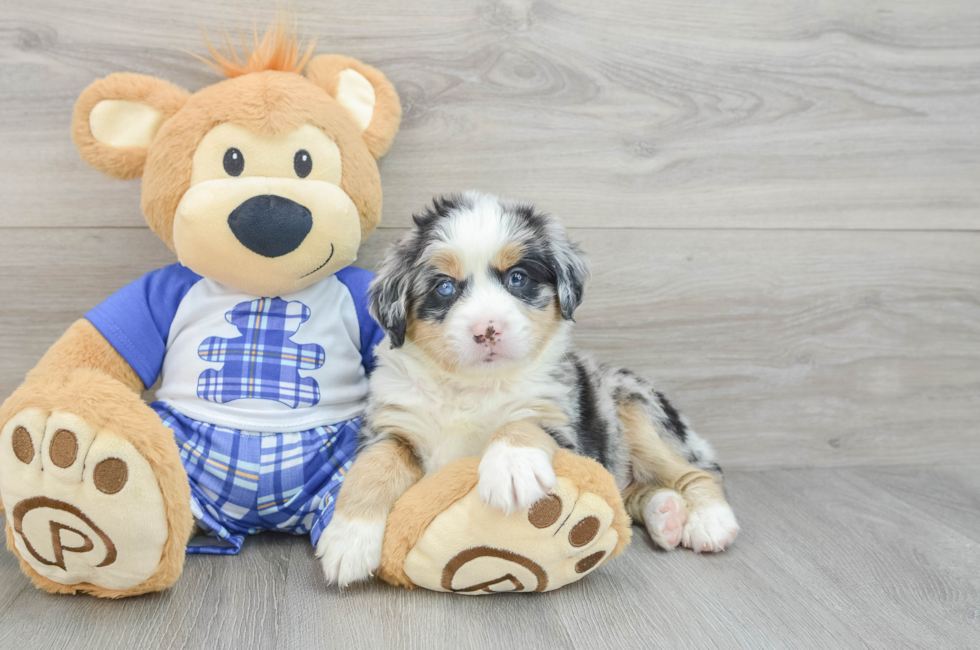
(432,340)
(417,508)
(83,347)
(268,103)
(544,325)
(449,263)
(657,466)
(524,433)
(387,420)
(592,477)
(106,404)
(636,496)
(377,478)
(124,164)
(508,255)
(288,102)
(431,496)
(324,70)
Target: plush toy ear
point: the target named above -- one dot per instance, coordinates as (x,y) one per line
(364,92)
(117,117)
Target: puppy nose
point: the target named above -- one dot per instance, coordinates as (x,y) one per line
(270,225)
(487,332)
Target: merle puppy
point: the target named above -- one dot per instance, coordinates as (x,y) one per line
(477,301)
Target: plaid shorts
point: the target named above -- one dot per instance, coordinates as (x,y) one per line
(243,483)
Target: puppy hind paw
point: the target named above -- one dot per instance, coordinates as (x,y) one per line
(710,529)
(665,516)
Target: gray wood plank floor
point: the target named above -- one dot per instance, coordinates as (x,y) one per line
(829,558)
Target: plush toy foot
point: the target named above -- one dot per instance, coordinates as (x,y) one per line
(96,498)
(442,536)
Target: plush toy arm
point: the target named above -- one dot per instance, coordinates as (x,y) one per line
(83,347)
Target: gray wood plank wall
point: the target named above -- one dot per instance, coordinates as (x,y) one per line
(781,200)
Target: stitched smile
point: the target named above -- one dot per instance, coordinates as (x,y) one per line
(321,266)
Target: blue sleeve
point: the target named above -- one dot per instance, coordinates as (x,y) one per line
(136,319)
(357,281)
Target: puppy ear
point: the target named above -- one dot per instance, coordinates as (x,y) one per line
(366,94)
(571,269)
(389,292)
(116,119)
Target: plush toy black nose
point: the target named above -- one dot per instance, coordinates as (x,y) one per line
(270,225)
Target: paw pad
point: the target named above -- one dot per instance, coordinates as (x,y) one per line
(63,449)
(665,515)
(110,475)
(23,447)
(584,532)
(545,512)
(589,561)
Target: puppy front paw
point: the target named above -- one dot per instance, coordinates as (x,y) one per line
(350,550)
(514,478)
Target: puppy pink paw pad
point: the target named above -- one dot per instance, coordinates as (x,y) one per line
(665,516)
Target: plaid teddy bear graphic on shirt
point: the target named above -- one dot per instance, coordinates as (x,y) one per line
(263,362)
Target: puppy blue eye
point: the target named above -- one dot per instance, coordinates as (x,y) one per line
(517,279)
(446,288)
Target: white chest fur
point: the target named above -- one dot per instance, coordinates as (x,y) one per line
(451,416)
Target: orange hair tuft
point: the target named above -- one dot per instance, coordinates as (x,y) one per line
(278,50)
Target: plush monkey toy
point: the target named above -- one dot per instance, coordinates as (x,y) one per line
(264,185)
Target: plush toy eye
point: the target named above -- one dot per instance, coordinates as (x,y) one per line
(302,163)
(234,162)
(446,288)
(517,279)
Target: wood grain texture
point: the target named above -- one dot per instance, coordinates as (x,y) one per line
(828,558)
(784,348)
(781,201)
(749,114)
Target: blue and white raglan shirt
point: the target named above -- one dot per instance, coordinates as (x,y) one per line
(263,394)
(258,364)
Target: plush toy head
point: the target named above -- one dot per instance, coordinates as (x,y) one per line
(266,181)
